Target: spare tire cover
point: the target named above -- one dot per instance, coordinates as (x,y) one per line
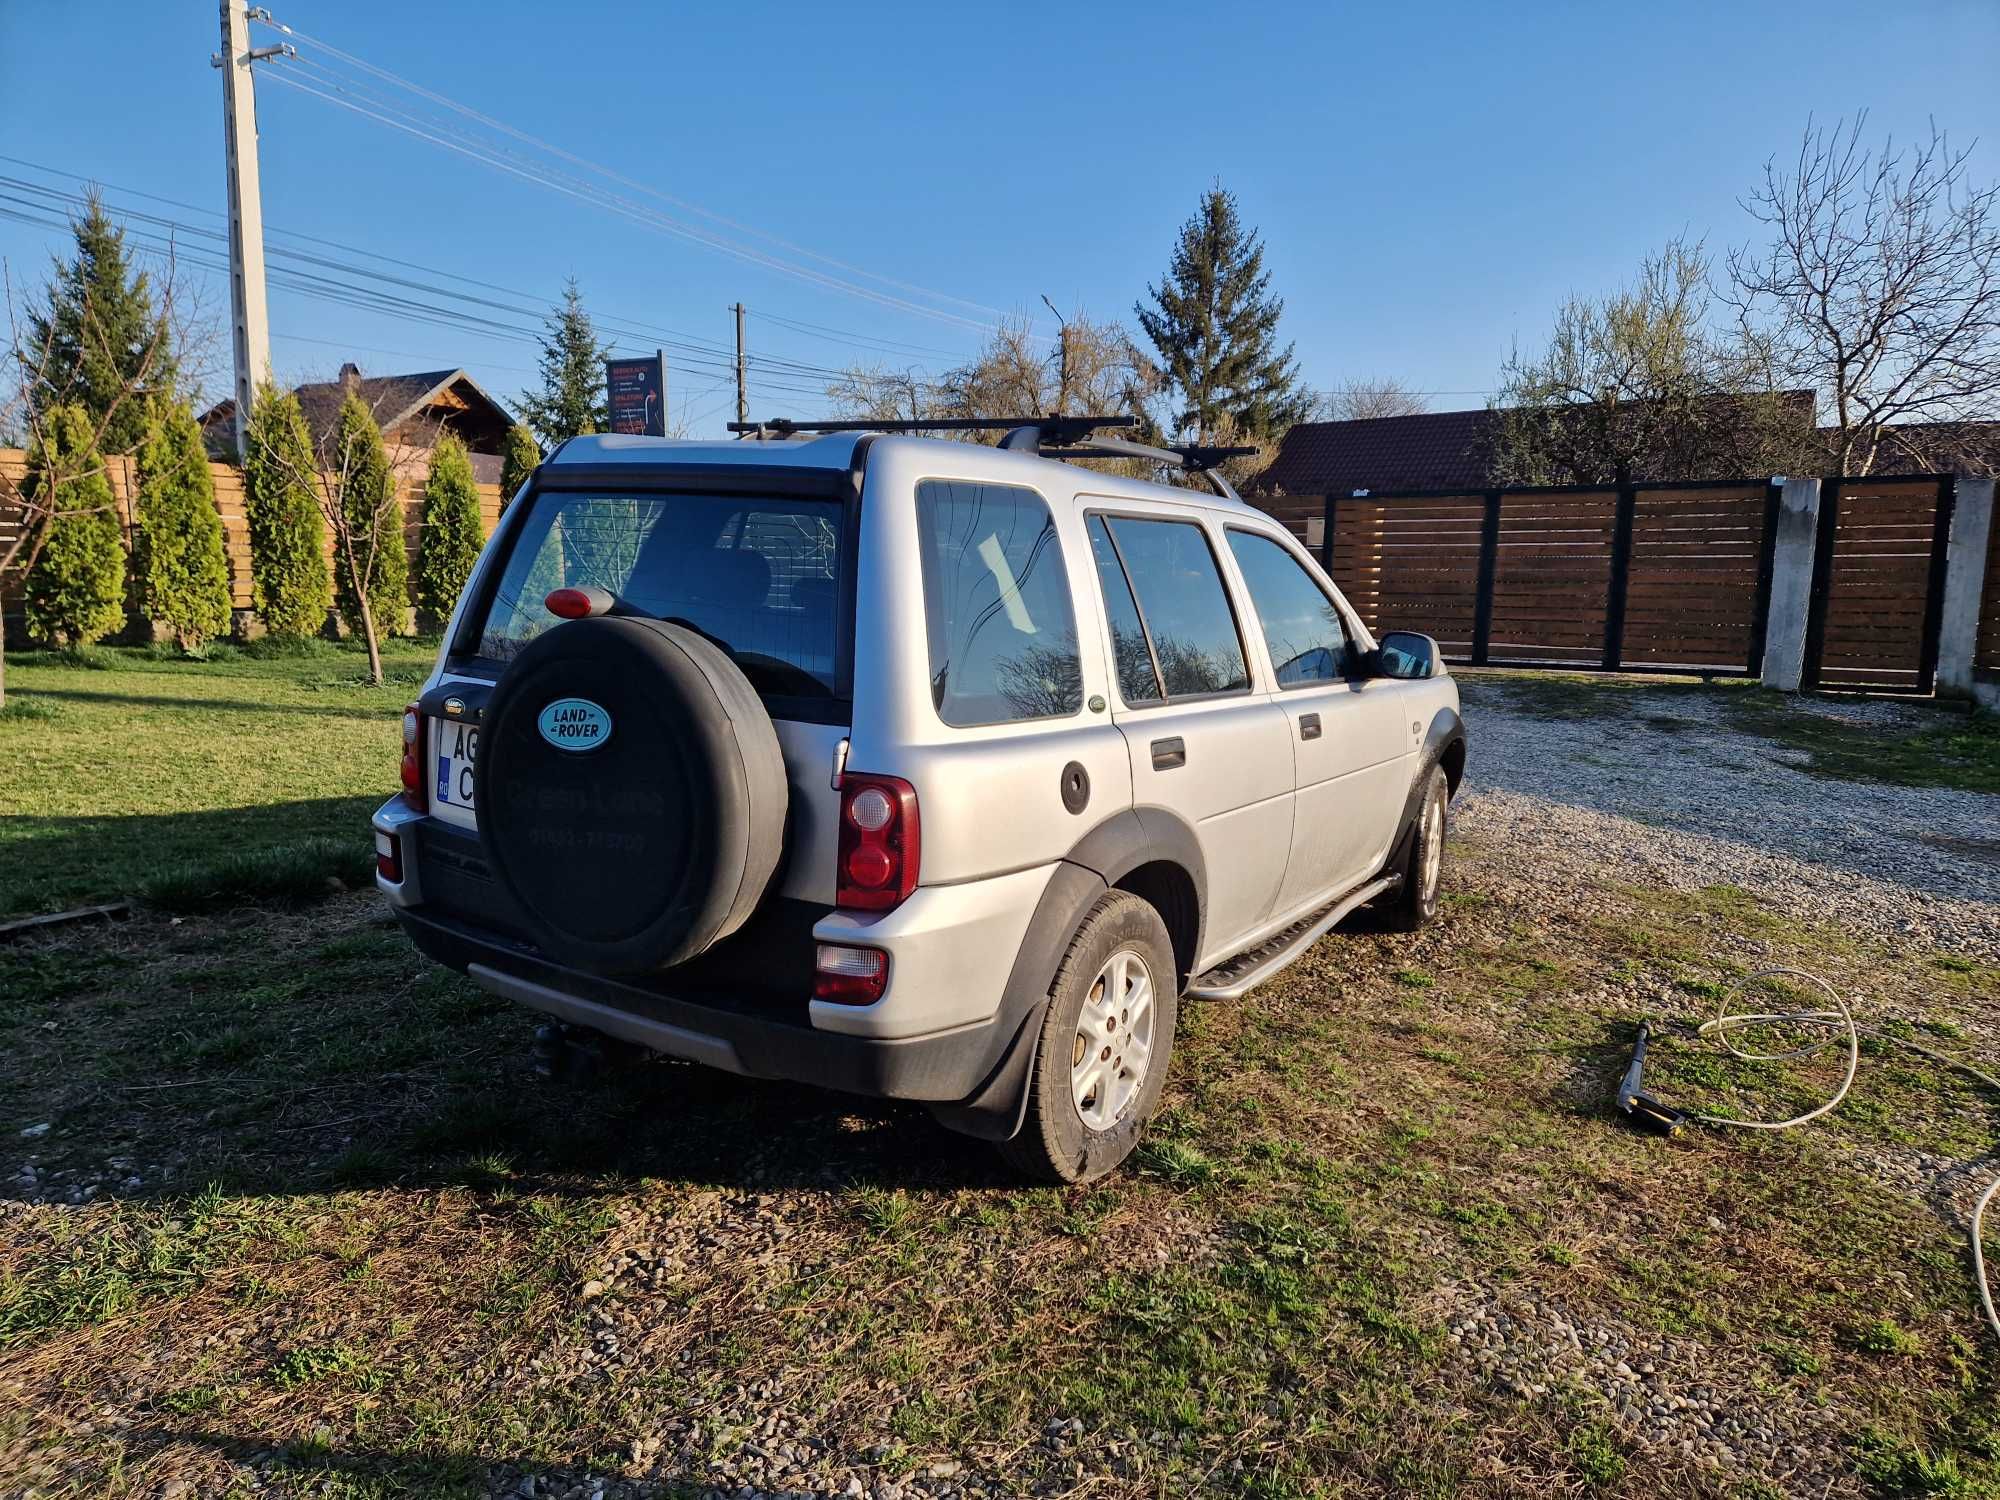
(631,793)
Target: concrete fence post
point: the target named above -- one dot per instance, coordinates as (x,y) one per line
(1964,583)
(1791,584)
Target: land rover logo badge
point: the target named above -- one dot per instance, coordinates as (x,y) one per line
(574,724)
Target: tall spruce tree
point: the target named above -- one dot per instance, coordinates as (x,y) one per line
(369,551)
(288,575)
(1215,324)
(452,529)
(571,399)
(75,591)
(178,559)
(518,457)
(96,340)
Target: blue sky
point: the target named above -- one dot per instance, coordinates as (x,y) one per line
(1431,180)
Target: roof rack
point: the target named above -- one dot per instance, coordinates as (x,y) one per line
(1022,432)
(1048,437)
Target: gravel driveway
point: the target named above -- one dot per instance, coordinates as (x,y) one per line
(1675,794)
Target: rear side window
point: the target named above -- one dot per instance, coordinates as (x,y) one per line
(1192,630)
(997,609)
(758,575)
(1137,681)
(1302,626)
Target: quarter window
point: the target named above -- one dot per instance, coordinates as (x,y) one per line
(1188,622)
(997,609)
(1302,626)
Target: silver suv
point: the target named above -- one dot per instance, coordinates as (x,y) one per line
(914,768)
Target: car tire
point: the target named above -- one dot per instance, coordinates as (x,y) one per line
(1116,988)
(1415,901)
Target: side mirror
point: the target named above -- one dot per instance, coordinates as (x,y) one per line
(1406,655)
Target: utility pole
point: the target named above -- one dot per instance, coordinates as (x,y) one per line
(742,393)
(1062,366)
(250,321)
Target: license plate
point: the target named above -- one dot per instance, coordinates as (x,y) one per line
(451,784)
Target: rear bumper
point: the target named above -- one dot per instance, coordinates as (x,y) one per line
(723,1031)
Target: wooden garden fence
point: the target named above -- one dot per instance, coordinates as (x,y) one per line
(229,501)
(1654,577)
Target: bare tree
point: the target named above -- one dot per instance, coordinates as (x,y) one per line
(1880,287)
(1094,368)
(1360,400)
(37,392)
(875,393)
(1637,386)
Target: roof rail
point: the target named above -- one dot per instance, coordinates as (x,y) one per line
(1189,458)
(1048,437)
(1022,432)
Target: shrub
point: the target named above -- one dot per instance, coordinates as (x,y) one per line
(452,530)
(373,520)
(182,571)
(288,574)
(518,458)
(75,592)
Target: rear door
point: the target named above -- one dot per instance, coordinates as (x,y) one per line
(1204,741)
(1350,736)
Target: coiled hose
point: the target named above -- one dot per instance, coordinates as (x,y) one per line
(1840,1019)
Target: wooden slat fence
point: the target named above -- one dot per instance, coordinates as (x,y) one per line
(1412,566)
(1652,577)
(1663,577)
(1698,576)
(1877,582)
(1552,577)
(229,502)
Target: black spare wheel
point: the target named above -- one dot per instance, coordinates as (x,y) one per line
(631,793)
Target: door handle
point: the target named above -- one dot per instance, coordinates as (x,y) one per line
(1169,754)
(1308,726)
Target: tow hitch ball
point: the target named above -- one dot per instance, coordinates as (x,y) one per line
(1643,1109)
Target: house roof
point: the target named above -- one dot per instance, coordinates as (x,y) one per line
(1966,448)
(1432,450)
(394,399)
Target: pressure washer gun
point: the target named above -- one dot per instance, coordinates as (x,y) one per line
(1641,1106)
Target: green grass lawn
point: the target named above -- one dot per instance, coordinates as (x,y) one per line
(126,767)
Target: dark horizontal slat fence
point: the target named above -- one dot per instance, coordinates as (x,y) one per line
(1662,577)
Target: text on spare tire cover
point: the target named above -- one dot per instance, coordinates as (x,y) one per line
(574,724)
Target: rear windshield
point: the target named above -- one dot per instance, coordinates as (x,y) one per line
(755,574)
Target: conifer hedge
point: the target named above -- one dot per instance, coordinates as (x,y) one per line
(75,592)
(288,574)
(180,567)
(453,532)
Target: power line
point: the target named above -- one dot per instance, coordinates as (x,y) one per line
(442,135)
(538,143)
(698,355)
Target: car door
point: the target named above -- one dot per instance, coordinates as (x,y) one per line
(1204,741)
(1351,734)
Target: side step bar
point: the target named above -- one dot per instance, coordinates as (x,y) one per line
(1236,977)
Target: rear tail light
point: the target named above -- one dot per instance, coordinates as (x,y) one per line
(879,846)
(850,976)
(415,791)
(389,857)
